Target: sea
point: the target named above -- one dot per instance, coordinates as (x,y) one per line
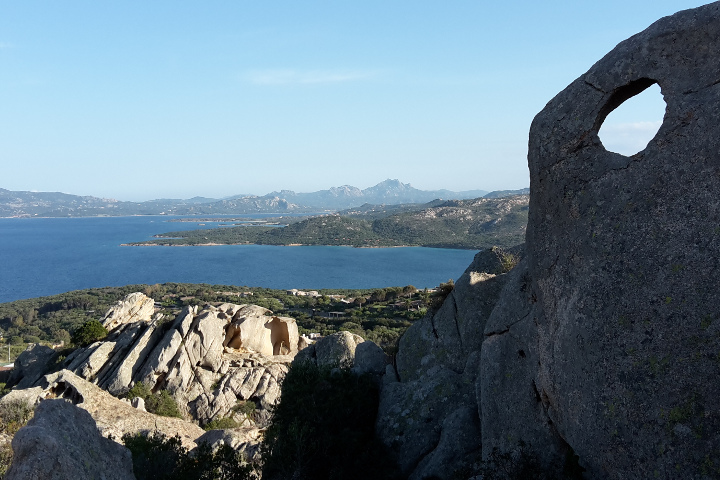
(47,256)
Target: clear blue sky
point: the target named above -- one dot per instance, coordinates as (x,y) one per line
(139,100)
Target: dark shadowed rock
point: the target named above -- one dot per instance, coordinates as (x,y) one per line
(30,366)
(62,441)
(243,440)
(430,417)
(369,358)
(618,320)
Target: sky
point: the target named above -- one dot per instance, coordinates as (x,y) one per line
(140,100)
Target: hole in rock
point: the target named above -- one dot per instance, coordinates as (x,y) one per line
(632,117)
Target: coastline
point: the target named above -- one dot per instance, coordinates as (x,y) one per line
(296,245)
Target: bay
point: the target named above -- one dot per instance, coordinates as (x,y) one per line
(46,256)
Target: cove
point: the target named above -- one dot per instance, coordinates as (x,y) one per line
(46,256)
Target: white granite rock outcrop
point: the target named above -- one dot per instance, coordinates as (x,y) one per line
(209,359)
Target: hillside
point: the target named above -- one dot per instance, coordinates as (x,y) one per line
(472,224)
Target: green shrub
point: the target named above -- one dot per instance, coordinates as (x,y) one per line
(246,407)
(441,294)
(507,260)
(158,457)
(138,390)
(162,403)
(89,332)
(221,424)
(13,416)
(324,428)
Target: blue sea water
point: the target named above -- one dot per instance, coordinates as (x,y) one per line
(46,256)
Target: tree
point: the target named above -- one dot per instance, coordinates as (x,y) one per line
(89,332)
(409,290)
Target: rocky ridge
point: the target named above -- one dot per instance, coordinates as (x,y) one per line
(208,359)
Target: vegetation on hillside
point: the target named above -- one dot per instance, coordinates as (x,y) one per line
(158,457)
(72,318)
(324,428)
(13,416)
(159,403)
(471,224)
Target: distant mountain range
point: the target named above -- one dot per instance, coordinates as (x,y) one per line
(389,192)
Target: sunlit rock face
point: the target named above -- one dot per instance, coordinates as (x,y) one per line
(210,359)
(254,329)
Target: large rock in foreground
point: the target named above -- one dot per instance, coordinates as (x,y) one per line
(608,341)
(112,417)
(60,442)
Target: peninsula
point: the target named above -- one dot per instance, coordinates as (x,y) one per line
(468,224)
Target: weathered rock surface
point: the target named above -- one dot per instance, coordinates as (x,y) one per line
(369,358)
(621,320)
(252,329)
(242,377)
(30,366)
(61,441)
(243,440)
(192,356)
(113,417)
(437,367)
(604,340)
(336,350)
(136,307)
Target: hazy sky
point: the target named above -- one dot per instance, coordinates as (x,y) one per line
(138,100)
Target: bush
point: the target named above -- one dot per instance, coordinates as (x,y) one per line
(221,424)
(162,403)
(158,457)
(441,294)
(324,428)
(138,390)
(89,332)
(13,416)
(507,260)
